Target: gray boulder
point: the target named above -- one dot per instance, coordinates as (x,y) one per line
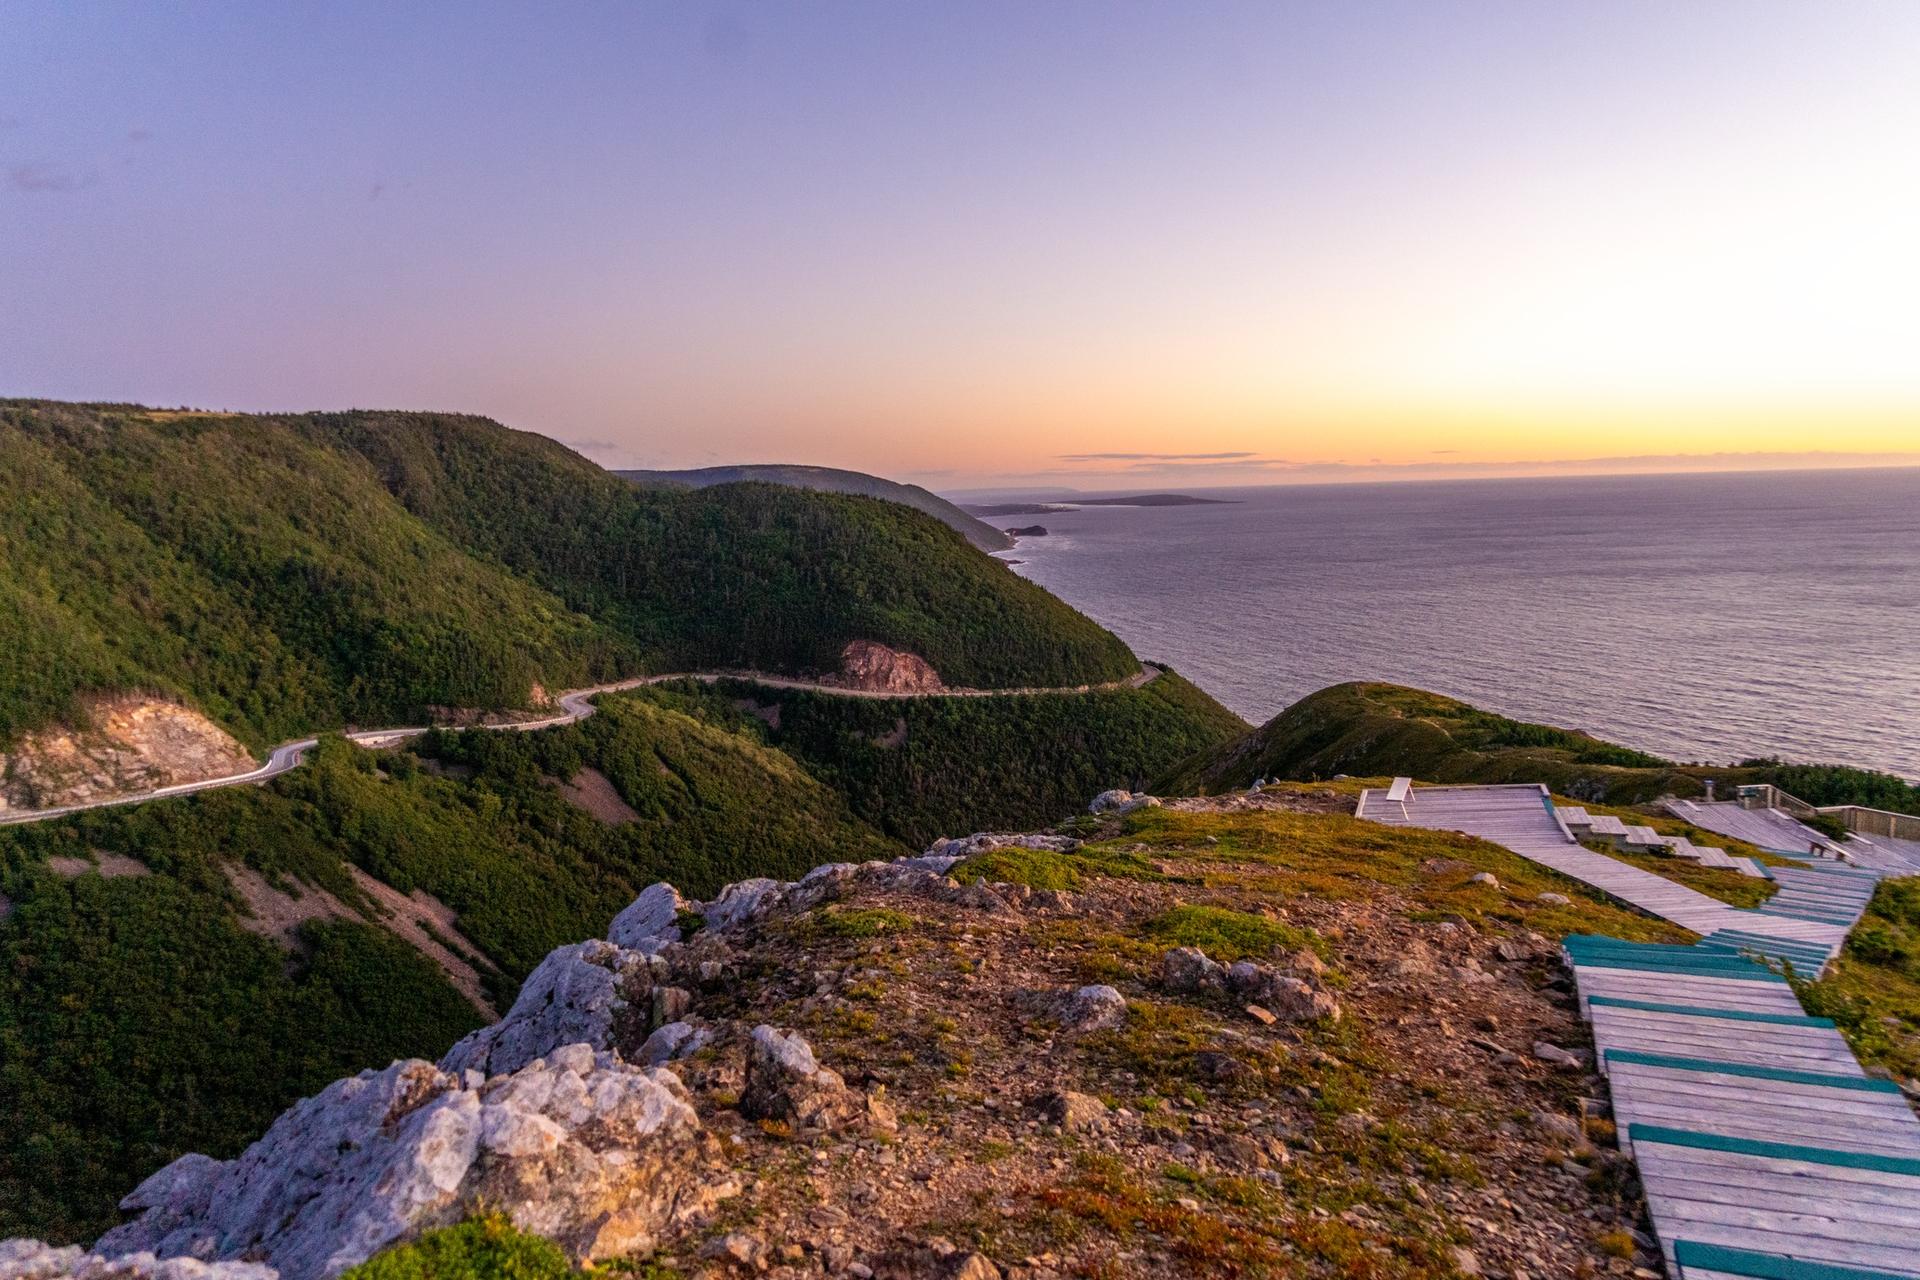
(1286,997)
(580,1147)
(650,921)
(1189,969)
(36,1260)
(1073,1112)
(984,841)
(573,997)
(786,1083)
(1094,1008)
(674,1040)
(740,901)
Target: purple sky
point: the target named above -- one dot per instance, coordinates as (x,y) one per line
(980,241)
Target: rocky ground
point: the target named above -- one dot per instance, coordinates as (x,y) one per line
(1241,1036)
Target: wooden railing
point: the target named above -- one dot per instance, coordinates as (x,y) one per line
(1868,822)
(1876,822)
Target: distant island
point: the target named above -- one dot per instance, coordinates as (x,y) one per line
(1068,504)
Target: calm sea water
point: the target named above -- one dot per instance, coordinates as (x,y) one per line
(1706,618)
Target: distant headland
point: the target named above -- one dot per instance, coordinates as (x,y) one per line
(1068,504)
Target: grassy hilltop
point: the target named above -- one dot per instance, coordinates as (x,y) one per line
(1383,730)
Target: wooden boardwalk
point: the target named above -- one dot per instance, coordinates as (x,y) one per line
(1766,1152)
(1779,832)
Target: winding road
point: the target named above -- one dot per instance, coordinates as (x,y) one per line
(575,705)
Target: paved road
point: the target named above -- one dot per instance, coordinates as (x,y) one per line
(575,704)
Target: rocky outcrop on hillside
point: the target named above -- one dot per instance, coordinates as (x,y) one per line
(132,744)
(900,1071)
(581,1147)
(865,664)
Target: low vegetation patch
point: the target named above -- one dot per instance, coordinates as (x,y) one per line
(488,1247)
(1227,936)
(859,922)
(1043,869)
(1872,990)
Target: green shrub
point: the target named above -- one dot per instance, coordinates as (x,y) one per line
(1227,936)
(484,1248)
(861,922)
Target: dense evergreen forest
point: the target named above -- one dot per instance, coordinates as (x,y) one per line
(921,768)
(291,573)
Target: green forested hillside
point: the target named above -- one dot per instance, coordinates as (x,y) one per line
(287,573)
(138,1019)
(834,480)
(762,576)
(921,768)
(1381,730)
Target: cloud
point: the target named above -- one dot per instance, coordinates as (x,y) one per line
(1153,457)
(1258,470)
(35,176)
(592,446)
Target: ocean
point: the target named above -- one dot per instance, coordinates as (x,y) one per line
(1703,617)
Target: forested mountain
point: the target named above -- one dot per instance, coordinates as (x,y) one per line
(286,573)
(921,768)
(834,480)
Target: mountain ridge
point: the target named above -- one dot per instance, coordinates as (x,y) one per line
(835,480)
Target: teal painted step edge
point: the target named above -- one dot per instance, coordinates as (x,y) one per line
(1753,973)
(1863,1084)
(1764,949)
(1646,952)
(1704,961)
(1730,937)
(1769,1266)
(1701,1011)
(1660,1135)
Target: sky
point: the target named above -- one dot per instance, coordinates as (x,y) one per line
(1086,244)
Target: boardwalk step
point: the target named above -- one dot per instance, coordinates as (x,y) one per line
(1712,1261)
(1701,1011)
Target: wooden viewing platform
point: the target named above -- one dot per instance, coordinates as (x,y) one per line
(1766,1151)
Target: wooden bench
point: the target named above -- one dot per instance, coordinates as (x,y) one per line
(1400,793)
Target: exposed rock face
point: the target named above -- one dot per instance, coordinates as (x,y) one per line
(650,921)
(35,1260)
(1118,802)
(865,664)
(786,1083)
(580,1147)
(982,841)
(740,901)
(573,997)
(135,744)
